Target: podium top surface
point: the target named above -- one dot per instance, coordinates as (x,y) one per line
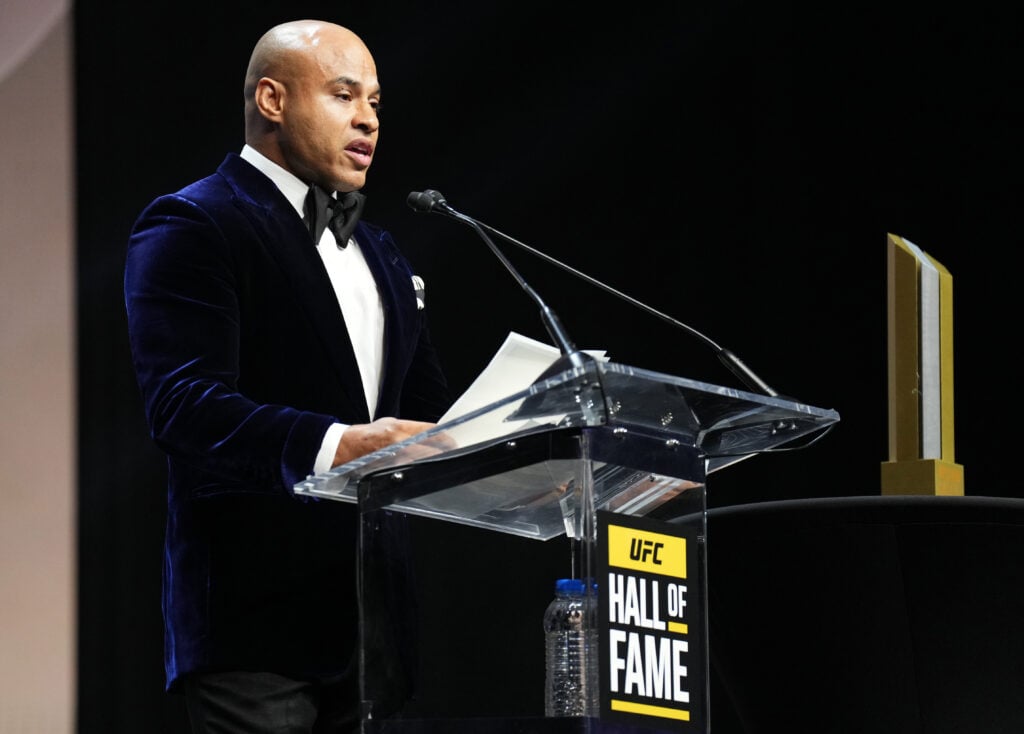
(720,425)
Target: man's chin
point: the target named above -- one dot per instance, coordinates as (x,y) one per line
(351,182)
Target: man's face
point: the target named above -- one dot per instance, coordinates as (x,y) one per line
(329,128)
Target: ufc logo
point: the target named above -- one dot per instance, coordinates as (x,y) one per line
(645,550)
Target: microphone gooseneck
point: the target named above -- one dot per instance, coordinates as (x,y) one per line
(433,201)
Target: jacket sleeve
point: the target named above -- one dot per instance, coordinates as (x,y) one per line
(181,297)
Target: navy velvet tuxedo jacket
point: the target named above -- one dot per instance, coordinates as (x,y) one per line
(244,360)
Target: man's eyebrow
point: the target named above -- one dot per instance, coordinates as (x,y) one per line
(350,82)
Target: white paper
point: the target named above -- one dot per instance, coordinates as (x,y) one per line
(518,362)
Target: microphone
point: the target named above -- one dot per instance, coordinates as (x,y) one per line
(424,201)
(433,201)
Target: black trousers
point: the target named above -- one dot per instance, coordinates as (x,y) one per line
(268,703)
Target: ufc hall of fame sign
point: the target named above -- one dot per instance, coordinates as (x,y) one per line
(652,629)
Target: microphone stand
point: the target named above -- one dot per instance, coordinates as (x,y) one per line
(571,358)
(431,200)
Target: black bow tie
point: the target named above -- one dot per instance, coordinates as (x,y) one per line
(341,214)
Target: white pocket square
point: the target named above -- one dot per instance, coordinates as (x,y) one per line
(419,287)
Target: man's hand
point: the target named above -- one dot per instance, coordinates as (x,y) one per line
(365,438)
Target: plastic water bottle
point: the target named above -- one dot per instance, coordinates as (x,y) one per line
(570,652)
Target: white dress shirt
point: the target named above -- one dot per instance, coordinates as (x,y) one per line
(357,295)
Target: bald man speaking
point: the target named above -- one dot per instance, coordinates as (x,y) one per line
(275,334)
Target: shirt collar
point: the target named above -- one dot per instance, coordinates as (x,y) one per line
(289,184)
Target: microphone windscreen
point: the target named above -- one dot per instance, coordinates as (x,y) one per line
(420,201)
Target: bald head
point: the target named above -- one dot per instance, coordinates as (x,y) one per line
(311,100)
(286,52)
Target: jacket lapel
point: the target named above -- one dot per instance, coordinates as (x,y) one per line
(287,241)
(394,285)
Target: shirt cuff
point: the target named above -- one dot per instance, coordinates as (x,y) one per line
(325,458)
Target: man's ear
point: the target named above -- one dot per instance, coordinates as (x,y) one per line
(270,99)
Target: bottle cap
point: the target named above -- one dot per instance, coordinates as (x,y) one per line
(569,586)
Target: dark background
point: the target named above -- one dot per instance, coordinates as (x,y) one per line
(733,165)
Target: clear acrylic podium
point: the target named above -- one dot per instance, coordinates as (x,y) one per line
(578,459)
